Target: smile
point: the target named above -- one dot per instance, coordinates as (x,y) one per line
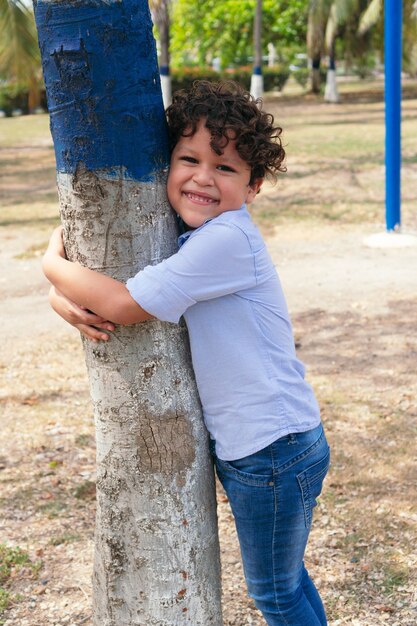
(199,199)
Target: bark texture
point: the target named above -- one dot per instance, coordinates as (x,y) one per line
(157,555)
(256,86)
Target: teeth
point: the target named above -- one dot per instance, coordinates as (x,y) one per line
(198,198)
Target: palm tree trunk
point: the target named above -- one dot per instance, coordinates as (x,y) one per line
(331,93)
(34,96)
(256,87)
(156,551)
(315,35)
(160,11)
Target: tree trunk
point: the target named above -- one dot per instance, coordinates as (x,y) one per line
(331,92)
(160,10)
(156,554)
(34,95)
(315,75)
(257,86)
(315,34)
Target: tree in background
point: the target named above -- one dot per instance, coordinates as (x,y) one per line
(353,28)
(19,53)
(372,18)
(209,29)
(160,10)
(156,547)
(318,13)
(257,86)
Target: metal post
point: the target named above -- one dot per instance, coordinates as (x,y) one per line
(393,38)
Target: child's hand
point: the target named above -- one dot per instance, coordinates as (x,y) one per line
(56,244)
(87,323)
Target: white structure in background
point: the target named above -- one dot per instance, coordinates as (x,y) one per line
(216,64)
(331,93)
(257,85)
(166,87)
(272,55)
(257,81)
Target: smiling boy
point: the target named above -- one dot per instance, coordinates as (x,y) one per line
(268,443)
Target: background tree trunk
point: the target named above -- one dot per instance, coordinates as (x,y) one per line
(331,92)
(257,84)
(315,41)
(157,556)
(160,11)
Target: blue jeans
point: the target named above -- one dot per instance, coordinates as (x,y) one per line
(272,494)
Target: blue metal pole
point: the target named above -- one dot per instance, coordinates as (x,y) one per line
(393,53)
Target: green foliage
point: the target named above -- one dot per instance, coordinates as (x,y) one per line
(202,31)
(410,37)
(19,52)
(15,95)
(183,78)
(364,65)
(359,27)
(274,78)
(301,75)
(11,561)
(4,601)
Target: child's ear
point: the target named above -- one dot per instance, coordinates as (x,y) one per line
(253,189)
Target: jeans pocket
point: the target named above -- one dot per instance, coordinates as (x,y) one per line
(310,481)
(226,469)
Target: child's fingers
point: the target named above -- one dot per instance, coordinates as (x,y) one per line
(91,333)
(106,325)
(87,317)
(91,318)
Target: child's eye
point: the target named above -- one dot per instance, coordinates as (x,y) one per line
(188,159)
(225,168)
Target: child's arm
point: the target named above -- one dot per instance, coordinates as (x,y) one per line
(96,292)
(92,326)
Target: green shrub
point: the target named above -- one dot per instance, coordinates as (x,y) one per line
(13,96)
(16,96)
(301,75)
(365,66)
(274,77)
(183,78)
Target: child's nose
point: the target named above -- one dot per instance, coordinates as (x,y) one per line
(202,176)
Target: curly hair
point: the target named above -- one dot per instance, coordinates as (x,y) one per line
(230,113)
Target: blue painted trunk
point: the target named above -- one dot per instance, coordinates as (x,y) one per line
(102,81)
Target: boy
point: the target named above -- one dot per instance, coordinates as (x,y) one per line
(268,444)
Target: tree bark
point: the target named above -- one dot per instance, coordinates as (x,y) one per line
(257,86)
(156,552)
(315,41)
(331,92)
(34,94)
(160,11)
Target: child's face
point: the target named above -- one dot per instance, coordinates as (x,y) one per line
(203,184)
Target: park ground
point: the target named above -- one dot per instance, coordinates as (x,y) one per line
(354,310)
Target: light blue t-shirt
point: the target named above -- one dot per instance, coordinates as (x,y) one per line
(250,382)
